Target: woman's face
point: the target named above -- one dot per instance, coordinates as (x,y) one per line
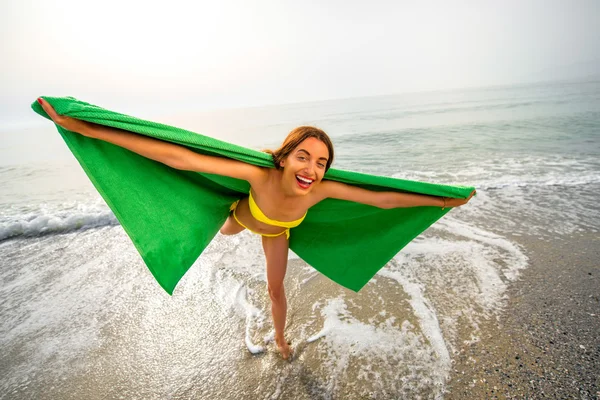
(305,166)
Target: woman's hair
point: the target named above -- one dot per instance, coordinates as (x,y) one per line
(297,136)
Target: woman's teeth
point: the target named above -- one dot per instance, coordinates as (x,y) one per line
(304,182)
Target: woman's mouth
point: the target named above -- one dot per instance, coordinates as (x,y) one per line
(303,181)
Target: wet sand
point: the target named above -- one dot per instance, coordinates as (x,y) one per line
(546,343)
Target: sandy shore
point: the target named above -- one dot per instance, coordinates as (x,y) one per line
(546,343)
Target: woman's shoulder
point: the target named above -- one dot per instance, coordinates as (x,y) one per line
(257,176)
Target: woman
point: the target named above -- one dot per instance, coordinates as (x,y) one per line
(279,197)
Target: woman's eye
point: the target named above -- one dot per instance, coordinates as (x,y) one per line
(301,158)
(321,165)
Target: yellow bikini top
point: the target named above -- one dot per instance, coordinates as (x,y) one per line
(260,216)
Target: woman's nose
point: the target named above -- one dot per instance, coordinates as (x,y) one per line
(310,170)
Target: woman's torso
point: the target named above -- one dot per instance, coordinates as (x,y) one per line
(274,204)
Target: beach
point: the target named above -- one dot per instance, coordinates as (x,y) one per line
(545,343)
(498,299)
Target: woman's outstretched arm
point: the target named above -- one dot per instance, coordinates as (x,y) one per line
(342,191)
(171,154)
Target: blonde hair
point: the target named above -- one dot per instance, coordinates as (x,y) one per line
(297,136)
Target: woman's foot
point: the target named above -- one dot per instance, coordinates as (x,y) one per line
(284,348)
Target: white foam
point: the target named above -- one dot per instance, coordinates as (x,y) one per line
(513,256)
(448,278)
(353,344)
(254,317)
(233,296)
(425,313)
(57,310)
(292,255)
(233,293)
(491,173)
(48,219)
(311,272)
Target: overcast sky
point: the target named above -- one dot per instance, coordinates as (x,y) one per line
(231,53)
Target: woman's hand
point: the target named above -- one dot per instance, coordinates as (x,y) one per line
(450,202)
(70,124)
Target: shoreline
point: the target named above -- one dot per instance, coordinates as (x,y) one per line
(546,341)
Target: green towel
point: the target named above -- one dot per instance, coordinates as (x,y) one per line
(172,215)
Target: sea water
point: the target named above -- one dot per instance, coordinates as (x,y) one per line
(82,317)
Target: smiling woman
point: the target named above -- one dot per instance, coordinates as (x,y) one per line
(279,196)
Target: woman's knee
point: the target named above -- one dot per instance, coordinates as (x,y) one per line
(225,230)
(276,292)
(231,227)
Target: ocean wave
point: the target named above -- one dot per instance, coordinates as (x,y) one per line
(567,181)
(53,222)
(493,174)
(44,222)
(505,181)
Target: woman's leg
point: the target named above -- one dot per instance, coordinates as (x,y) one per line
(276,253)
(231,226)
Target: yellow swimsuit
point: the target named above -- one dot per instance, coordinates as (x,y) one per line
(260,216)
